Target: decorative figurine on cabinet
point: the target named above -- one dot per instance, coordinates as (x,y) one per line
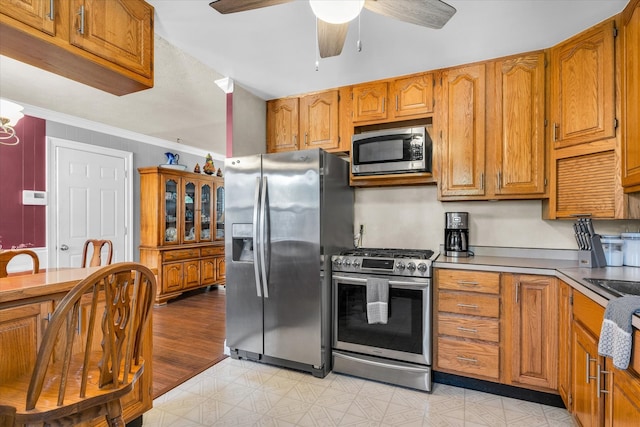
(209,167)
(196,169)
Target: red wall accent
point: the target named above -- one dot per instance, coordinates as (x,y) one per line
(23,167)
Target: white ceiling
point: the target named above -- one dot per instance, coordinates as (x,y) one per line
(271,52)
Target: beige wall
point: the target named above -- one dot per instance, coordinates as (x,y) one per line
(412,217)
(249,123)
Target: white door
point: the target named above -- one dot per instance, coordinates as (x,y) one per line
(91,200)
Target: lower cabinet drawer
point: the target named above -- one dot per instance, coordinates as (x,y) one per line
(469,327)
(470,304)
(473,358)
(180,254)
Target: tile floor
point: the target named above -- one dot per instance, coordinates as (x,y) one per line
(240,393)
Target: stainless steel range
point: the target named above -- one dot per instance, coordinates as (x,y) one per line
(382,315)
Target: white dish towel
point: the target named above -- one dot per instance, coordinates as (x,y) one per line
(616,336)
(377,300)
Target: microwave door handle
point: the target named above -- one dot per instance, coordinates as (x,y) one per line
(265,248)
(256,263)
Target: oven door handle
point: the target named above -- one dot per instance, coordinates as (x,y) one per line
(403,367)
(359,281)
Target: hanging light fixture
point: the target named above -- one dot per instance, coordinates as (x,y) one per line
(10,114)
(336,11)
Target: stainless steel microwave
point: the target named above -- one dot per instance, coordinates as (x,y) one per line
(391,151)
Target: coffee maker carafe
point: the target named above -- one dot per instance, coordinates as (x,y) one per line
(456,234)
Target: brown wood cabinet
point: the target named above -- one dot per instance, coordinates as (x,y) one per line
(370,102)
(601,394)
(530,331)
(282,125)
(182,229)
(564,342)
(515,126)
(319,121)
(467,329)
(104,44)
(631,96)
(309,121)
(498,327)
(583,87)
(460,126)
(491,125)
(21,331)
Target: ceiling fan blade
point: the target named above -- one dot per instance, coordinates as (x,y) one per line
(331,38)
(233,6)
(426,13)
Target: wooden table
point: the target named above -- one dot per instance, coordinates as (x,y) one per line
(26,302)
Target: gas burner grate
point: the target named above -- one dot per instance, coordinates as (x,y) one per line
(389,253)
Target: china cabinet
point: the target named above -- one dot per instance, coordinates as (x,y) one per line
(182,229)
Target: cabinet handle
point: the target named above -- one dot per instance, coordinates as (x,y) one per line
(473,306)
(599,373)
(588,368)
(499,179)
(81,13)
(466,283)
(295,140)
(306,142)
(555,131)
(517,292)
(463,329)
(51,10)
(482,180)
(396,102)
(48,317)
(466,359)
(383,102)
(581,215)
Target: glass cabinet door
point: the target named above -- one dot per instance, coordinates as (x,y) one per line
(190,198)
(170,210)
(220,213)
(206,204)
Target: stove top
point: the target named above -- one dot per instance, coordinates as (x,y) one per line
(389,253)
(394,262)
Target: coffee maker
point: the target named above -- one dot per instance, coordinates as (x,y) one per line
(456,234)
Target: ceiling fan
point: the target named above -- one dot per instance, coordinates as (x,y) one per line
(332,28)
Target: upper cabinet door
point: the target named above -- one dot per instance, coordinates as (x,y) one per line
(582,87)
(370,102)
(119,31)
(413,96)
(39,14)
(519,125)
(319,121)
(463,131)
(282,125)
(631,98)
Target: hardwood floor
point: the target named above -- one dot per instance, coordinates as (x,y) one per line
(188,337)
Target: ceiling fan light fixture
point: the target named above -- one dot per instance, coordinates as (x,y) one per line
(336,11)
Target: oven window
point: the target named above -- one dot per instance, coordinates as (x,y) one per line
(403,330)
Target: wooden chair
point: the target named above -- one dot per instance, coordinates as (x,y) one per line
(96,259)
(6,256)
(79,377)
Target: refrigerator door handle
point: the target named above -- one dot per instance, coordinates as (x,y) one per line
(256,266)
(264,230)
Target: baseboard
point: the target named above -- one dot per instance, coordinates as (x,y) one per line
(499,389)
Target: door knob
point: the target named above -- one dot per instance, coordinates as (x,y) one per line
(64,248)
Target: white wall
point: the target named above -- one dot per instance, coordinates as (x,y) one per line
(412,217)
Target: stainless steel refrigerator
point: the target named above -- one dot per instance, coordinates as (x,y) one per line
(285,215)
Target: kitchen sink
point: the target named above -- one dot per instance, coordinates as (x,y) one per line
(617,287)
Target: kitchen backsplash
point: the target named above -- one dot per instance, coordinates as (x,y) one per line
(412,217)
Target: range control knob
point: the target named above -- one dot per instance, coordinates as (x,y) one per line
(400,265)
(347,262)
(356,263)
(338,261)
(411,266)
(422,267)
